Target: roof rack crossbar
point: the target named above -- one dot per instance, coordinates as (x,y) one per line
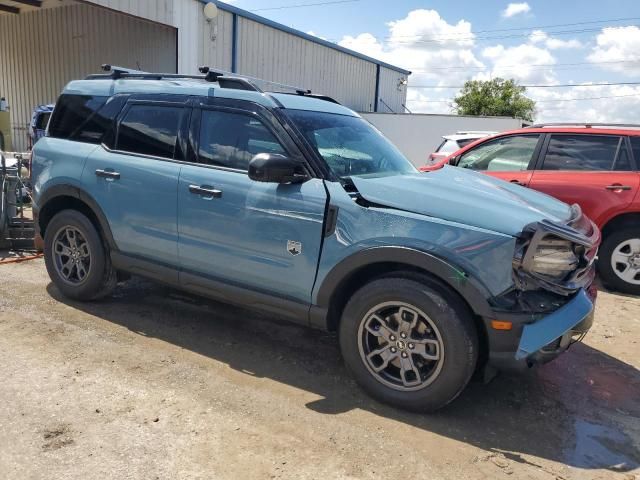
(585,125)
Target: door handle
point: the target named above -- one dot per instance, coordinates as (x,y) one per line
(517,182)
(205,191)
(618,187)
(108,174)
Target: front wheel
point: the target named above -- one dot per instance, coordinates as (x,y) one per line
(408,344)
(619,261)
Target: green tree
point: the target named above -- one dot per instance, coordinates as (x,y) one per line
(492,98)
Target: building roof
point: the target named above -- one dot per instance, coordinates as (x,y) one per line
(278,26)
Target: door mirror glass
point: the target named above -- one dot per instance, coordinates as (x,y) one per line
(276,168)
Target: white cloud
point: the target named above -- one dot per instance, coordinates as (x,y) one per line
(620,47)
(610,103)
(520,62)
(541,37)
(426,44)
(516,9)
(314,34)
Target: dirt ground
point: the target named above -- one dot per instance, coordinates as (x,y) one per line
(155,384)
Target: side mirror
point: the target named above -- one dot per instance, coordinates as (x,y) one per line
(454,160)
(276,168)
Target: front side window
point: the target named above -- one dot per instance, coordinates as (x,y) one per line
(150,130)
(584,152)
(232,139)
(349,145)
(511,153)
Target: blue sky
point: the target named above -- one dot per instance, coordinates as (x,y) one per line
(446,42)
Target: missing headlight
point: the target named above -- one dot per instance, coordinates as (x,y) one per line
(554,258)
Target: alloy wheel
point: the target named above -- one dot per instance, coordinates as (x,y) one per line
(625,261)
(401,346)
(72,255)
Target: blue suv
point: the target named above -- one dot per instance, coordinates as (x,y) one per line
(292,204)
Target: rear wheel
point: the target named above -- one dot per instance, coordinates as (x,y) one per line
(619,261)
(407,344)
(76,258)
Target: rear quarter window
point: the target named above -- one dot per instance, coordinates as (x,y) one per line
(72,115)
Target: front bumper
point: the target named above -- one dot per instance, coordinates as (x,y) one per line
(544,339)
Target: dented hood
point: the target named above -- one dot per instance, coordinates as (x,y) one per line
(463,196)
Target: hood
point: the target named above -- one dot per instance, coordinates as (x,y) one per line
(466,197)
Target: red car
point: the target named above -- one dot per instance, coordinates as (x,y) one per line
(595,166)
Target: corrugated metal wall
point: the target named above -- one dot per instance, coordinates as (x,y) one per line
(41,51)
(392,94)
(268,53)
(161,11)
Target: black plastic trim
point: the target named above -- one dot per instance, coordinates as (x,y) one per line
(471,290)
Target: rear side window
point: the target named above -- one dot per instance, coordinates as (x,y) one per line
(635,146)
(72,117)
(512,153)
(150,130)
(232,139)
(586,153)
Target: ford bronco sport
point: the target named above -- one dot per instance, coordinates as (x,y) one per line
(293,204)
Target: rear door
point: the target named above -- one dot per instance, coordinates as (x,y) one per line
(134,179)
(508,157)
(594,171)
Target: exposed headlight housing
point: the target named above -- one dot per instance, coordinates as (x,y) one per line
(554,258)
(558,258)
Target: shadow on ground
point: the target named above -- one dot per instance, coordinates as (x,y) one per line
(567,411)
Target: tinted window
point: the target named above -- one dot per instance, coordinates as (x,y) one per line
(43,120)
(150,130)
(582,152)
(635,146)
(233,139)
(511,153)
(71,115)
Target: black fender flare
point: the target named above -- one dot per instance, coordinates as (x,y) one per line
(471,290)
(66,190)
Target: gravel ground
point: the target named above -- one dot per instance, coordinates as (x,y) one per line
(155,384)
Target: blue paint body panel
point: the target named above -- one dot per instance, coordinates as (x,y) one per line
(486,255)
(544,331)
(140,206)
(455,194)
(242,237)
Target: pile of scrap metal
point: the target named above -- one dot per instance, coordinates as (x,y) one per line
(16,226)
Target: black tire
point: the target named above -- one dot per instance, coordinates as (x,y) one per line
(100,278)
(606,270)
(453,322)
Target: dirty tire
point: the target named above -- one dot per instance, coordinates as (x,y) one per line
(607,274)
(452,321)
(101,278)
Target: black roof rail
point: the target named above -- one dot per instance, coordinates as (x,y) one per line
(585,125)
(222,78)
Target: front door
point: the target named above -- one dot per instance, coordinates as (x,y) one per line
(507,158)
(135,183)
(594,171)
(262,236)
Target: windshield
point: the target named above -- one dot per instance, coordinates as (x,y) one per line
(350,145)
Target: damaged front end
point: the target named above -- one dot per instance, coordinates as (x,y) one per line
(557,258)
(551,304)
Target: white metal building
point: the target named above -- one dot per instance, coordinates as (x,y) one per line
(46,43)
